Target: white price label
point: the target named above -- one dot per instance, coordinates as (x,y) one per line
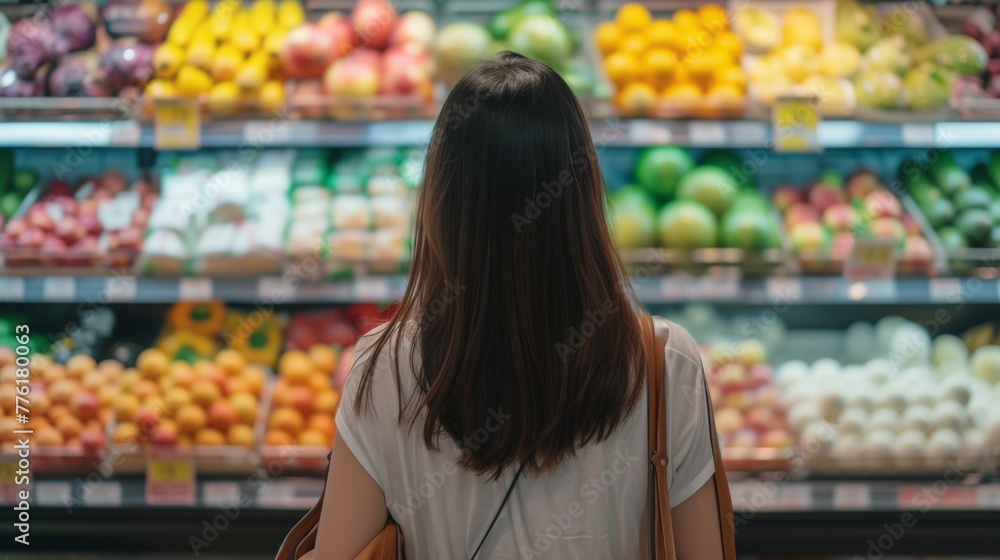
(852,496)
(59,288)
(371,289)
(720,288)
(106,493)
(794,497)
(339,291)
(121,288)
(195,289)
(945,289)
(278,494)
(277,131)
(11,289)
(678,288)
(918,135)
(51,493)
(649,132)
(220,493)
(707,133)
(988,496)
(274,289)
(783,289)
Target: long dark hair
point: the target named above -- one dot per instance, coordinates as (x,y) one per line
(521,306)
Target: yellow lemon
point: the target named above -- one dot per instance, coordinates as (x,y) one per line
(633,17)
(663,33)
(634,43)
(727,95)
(608,35)
(701,65)
(713,17)
(732,75)
(682,97)
(731,43)
(621,68)
(636,99)
(658,66)
(687,18)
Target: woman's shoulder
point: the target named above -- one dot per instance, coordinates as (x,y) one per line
(679,341)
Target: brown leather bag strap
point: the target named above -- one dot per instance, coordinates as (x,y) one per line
(661,531)
(302,537)
(724,496)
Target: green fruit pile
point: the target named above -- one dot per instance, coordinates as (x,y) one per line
(677,204)
(14,185)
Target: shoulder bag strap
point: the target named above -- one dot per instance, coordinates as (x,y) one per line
(661,531)
(725,498)
(499,509)
(302,537)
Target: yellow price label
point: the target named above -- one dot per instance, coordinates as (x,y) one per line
(170,470)
(871,258)
(8,472)
(874,255)
(796,124)
(177,124)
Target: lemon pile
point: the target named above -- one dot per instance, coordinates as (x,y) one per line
(680,63)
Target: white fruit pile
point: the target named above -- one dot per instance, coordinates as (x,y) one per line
(910,402)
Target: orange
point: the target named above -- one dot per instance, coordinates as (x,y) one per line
(295,365)
(302,399)
(57,411)
(658,66)
(314,438)
(191,418)
(61,391)
(184,440)
(79,365)
(125,407)
(128,379)
(40,402)
(278,437)
(205,392)
(240,434)
(319,382)
(607,36)
(125,432)
(145,387)
(663,33)
(255,378)
(713,17)
(245,407)
(106,395)
(634,43)
(286,419)
(327,402)
(283,394)
(687,19)
(633,17)
(637,99)
(110,367)
(93,380)
(152,363)
(69,426)
(221,416)
(208,436)
(205,369)
(176,397)
(165,383)
(50,374)
(231,361)
(323,358)
(322,423)
(730,43)
(622,68)
(235,385)
(156,402)
(48,437)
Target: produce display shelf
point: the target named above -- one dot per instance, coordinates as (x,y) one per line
(283,131)
(650,289)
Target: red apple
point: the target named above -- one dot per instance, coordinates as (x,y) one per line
(823,196)
(881,204)
(164,434)
(843,244)
(916,249)
(71,230)
(54,248)
(761,419)
(799,213)
(338,28)
(31,238)
(143,186)
(58,188)
(307,51)
(405,71)
(38,218)
(808,236)
(415,27)
(68,204)
(85,405)
(91,224)
(787,195)
(16,227)
(92,439)
(861,183)
(146,419)
(840,217)
(373,22)
(354,76)
(889,228)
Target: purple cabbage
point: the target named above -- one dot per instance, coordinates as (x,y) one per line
(72,22)
(77,75)
(31,44)
(13,85)
(127,62)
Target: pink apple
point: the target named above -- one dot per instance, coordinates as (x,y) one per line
(307,51)
(916,249)
(164,434)
(861,183)
(53,247)
(130,238)
(85,405)
(799,213)
(92,439)
(761,375)
(373,22)
(769,395)
(406,72)
(809,236)
(777,438)
(415,27)
(883,203)
(823,196)
(338,28)
(761,418)
(16,227)
(68,205)
(38,218)
(840,217)
(31,238)
(354,76)
(113,181)
(889,228)
(787,195)
(71,230)
(140,218)
(91,224)
(843,244)
(910,225)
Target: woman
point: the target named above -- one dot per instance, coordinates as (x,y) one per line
(517,342)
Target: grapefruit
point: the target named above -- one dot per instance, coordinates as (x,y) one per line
(543,38)
(709,185)
(459,47)
(747,229)
(685,224)
(632,219)
(659,169)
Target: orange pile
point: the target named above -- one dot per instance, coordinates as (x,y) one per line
(305,400)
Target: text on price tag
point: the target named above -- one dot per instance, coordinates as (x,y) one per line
(170,477)
(177,124)
(871,259)
(796,124)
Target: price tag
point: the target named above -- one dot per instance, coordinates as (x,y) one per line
(679,288)
(959,497)
(649,132)
(276,132)
(50,493)
(783,289)
(794,497)
(9,491)
(121,288)
(274,289)
(11,289)
(220,493)
(371,289)
(177,124)
(796,124)
(852,496)
(106,493)
(170,477)
(945,289)
(988,496)
(194,289)
(918,135)
(707,133)
(720,288)
(871,258)
(278,494)
(59,288)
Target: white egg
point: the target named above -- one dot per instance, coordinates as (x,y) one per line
(910,346)
(924,393)
(800,392)
(846,448)
(879,370)
(908,448)
(877,448)
(942,446)
(916,417)
(917,374)
(991,430)
(950,354)
(956,388)
(802,414)
(948,415)
(817,437)
(885,328)
(861,395)
(891,397)
(825,367)
(790,372)
(852,421)
(831,402)
(883,419)
(972,444)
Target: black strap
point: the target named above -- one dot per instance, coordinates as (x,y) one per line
(500,509)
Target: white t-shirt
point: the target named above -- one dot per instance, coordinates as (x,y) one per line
(591,508)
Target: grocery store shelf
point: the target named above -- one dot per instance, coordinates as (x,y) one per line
(637,132)
(775,290)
